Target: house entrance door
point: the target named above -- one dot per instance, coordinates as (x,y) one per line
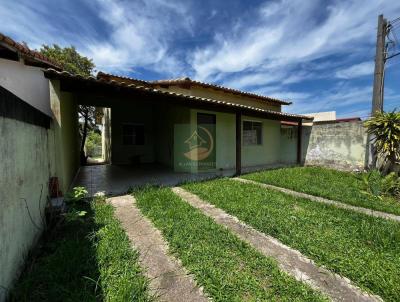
(206,141)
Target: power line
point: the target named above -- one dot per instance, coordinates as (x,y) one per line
(395,20)
(394,43)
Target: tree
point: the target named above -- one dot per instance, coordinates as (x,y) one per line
(93,144)
(72,61)
(385,129)
(69,59)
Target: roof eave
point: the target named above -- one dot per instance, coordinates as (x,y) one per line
(121,86)
(26,53)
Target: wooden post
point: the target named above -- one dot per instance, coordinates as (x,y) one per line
(299,141)
(238,143)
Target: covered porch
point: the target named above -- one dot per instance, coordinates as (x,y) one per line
(149,131)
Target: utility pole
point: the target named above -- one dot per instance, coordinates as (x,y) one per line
(379,74)
(377,93)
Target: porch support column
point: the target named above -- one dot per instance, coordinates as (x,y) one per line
(238,143)
(299,141)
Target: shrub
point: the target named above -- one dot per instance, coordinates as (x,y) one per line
(379,186)
(385,130)
(93,144)
(77,194)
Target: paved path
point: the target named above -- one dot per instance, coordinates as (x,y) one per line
(289,260)
(169,281)
(323,200)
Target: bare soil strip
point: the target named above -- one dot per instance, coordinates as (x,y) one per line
(291,261)
(323,200)
(169,281)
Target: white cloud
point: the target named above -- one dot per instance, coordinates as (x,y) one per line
(336,98)
(28,21)
(287,33)
(254,79)
(357,70)
(283,48)
(140,34)
(131,33)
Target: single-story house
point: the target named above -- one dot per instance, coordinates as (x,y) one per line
(186,125)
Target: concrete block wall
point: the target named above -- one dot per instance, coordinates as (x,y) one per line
(338,145)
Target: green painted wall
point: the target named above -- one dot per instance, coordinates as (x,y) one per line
(163,146)
(159,122)
(289,145)
(225,142)
(267,153)
(167,118)
(269,150)
(26,165)
(66,137)
(70,138)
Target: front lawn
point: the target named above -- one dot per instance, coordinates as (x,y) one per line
(332,184)
(227,268)
(89,258)
(365,249)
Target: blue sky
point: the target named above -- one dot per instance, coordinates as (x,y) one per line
(318,54)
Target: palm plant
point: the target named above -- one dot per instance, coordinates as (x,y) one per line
(384,127)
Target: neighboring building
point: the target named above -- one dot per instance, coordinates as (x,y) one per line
(323,116)
(328,117)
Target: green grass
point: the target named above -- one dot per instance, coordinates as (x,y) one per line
(328,183)
(365,249)
(228,268)
(87,259)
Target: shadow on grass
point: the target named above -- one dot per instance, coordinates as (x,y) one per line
(64,266)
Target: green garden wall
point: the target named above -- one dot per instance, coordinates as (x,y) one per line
(27,163)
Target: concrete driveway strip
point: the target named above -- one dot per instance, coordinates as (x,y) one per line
(323,200)
(337,288)
(169,280)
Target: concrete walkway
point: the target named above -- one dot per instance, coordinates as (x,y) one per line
(291,261)
(114,180)
(169,281)
(323,200)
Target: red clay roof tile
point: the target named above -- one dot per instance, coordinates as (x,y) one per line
(186,80)
(26,52)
